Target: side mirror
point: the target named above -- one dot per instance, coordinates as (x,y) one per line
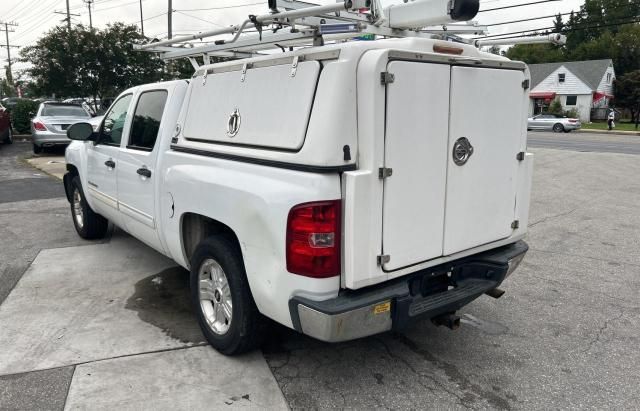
(80,131)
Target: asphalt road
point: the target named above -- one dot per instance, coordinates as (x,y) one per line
(586,142)
(565,334)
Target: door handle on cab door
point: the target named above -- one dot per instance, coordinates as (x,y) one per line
(110,163)
(144,172)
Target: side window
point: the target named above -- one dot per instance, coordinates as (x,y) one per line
(114,120)
(146,120)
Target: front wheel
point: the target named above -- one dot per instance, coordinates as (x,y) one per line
(87,222)
(221,297)
(558,128)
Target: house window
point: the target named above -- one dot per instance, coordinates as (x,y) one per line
(571,100)
(609,78)
(561,77)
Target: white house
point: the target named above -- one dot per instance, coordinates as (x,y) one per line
(579,85)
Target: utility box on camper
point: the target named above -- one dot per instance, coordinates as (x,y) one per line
(340,188)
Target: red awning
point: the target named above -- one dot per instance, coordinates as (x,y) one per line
(542,94)
(597,96)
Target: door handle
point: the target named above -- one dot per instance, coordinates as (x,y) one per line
(144,172)
(110,164)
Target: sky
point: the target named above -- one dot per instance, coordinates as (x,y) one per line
(35,17)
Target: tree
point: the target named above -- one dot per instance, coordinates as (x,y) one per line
(555,107)
(84,62)
(627,93)
(600,29)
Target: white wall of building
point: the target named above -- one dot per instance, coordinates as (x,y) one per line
(606,84)
(571,85)
(583,105)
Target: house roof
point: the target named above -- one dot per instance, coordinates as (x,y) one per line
(589,71)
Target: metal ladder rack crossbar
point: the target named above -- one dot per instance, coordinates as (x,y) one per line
(305,24)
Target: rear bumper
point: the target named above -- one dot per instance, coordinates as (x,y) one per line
(572,126)
(394,304)
(47,138)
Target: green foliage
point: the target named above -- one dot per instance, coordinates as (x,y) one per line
(94,62)
(627,93)
(555,107)
(21,115)
(601,29)
(573,113)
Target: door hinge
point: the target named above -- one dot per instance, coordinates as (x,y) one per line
(384,172)
(520,156)
(515,224)
(387,78)
(525,84)
(383,259)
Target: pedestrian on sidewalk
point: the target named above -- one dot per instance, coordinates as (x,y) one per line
(610,118)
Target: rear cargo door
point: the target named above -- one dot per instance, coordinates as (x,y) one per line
(485,122)
(416,139)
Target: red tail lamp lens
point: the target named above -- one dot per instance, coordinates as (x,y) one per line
(313,239)
(39,126)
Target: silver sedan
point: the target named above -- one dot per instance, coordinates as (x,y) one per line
(49,126)
(553,122)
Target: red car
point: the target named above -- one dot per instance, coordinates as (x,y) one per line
(5,126)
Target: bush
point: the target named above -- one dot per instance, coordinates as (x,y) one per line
(573,113)
(555,107)
(21,116)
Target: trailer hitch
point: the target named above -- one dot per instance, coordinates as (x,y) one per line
(449,320)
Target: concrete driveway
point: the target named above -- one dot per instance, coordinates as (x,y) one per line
(108,325)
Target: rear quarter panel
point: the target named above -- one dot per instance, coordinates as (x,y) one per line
(254,201)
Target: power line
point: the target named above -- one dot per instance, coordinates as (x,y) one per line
(517,5)
(529,19)
(198,18)
(635,19)
(225,7)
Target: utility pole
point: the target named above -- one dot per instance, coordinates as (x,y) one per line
(68,17)
(88,7)
(8,46)
(168,21)
(141,19)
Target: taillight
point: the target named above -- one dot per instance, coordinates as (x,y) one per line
(39,126)
(313,239)
(573,120)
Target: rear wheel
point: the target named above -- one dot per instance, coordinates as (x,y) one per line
(221,297)
(558,128)
(87,222)
(9,138)
(37,149)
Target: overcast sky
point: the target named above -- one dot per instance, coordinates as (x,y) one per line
(35,17)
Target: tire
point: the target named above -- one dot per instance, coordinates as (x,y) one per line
(567,131)
(87,222)
(37,149)
(558,128)
(9,138)
(244,329)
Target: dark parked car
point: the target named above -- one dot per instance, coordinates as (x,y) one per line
(6,136)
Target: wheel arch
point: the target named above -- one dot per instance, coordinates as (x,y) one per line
(72,171)
(196,227)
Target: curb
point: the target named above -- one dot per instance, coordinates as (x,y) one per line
(621,133)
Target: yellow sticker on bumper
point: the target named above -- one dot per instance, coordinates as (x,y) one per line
(382,307)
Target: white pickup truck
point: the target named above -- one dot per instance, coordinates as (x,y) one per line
(340,190)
